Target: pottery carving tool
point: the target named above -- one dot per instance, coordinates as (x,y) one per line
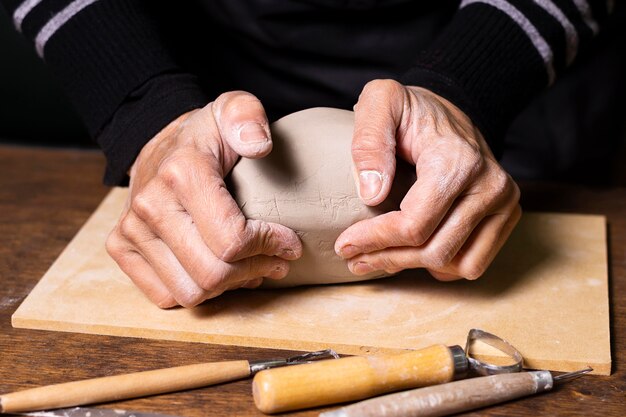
(456,397)
(359,377)
(140,384)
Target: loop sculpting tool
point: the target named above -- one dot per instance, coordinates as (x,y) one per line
(140,384)
(455,397)
(359,377)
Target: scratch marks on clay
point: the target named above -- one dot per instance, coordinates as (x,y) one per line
(276,209)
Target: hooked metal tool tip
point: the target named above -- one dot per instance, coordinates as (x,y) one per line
(258,366)
(571,375)
(320,354)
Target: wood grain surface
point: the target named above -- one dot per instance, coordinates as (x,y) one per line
(45,197)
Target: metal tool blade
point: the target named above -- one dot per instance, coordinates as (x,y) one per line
(91,412)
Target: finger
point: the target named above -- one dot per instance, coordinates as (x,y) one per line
(253,283)
(481,240)
(439,183)
(242,123)
(483,245)
(225,276)
(195,180)
(442,276)
(491,193)
(378,114)
(139,270)
(175,227)
(183,288)
(467,212)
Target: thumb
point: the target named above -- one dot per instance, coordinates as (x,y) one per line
(242,123)
(377,116)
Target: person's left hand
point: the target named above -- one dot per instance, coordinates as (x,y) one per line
(463,205)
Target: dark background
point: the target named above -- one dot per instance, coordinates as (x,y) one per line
(574,132)
(33,108)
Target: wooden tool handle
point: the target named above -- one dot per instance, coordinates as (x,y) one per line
(452,398)
(119,387)
(349,379)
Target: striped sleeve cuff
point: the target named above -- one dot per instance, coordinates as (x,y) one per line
(496,55)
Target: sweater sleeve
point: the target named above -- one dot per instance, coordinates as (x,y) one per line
(496,55)
(109,54)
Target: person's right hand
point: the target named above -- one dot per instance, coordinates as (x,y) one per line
(181,237)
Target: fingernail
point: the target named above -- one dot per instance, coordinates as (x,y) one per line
(348,251)
(371,182)
(252,133)
(362,268)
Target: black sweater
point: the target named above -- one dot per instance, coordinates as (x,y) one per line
(130,67)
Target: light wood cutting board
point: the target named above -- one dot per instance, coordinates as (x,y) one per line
(546,293)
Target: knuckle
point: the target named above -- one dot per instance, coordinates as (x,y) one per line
(253,235)
(499,182)
(190,298)
(382,86)
(264,236)
(164,301)
(236,105)
(444,276)
(473,270)
(128,228)
(389,265)
(143,206)
(502,182)
(216,187)
(174,171)
(379,92)
(232,236)
(228,249)
(123,255)
(473,157)
(215,293)
(369,140)
(227,252)
(214,279)
(469,162)
(438,257)
(113,245)
(413,232)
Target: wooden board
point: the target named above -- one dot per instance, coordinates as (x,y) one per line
(546,293)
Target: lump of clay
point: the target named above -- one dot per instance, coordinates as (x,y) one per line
(307,184)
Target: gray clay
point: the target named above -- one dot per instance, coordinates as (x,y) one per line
(307,184)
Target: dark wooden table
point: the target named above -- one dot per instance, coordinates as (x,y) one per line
(47,194)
